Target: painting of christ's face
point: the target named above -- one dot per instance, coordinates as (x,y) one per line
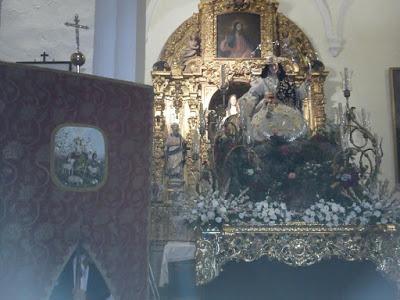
(238,35)
(239,27)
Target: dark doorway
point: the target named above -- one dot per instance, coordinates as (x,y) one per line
(330,280)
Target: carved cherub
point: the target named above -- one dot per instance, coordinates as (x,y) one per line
(192,49)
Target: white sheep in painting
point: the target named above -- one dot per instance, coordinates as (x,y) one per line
(75,180)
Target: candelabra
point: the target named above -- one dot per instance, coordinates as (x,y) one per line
(358,142)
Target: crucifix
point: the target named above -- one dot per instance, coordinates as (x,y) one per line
(44,55)
(77,58)
(77,26)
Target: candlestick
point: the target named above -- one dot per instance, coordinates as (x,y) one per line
(346,85)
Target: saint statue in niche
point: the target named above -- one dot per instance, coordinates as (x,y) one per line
(232,109)
(175,153)
(233,106)
(238,35)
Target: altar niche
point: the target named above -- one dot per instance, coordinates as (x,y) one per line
(236,88)
(222,105)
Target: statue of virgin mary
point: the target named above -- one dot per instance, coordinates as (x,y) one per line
(273,105)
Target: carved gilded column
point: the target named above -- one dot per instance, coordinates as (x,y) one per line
(160,84)
(269,28)
(317,104)
(207,25)
(314,103)
(192,94)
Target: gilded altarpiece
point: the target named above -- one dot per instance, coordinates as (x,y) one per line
(187,77)
(184,87)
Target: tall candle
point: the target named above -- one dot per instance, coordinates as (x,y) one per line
(346,79)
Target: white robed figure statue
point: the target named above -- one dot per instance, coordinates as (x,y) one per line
(175,152)
(80,265)
(273,105)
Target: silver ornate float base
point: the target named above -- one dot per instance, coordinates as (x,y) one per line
(298,245)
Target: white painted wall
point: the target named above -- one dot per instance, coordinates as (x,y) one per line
(119,41)
(163,17)
(105,25)
(372,45)
(28,27)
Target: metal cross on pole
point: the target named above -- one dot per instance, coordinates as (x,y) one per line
(77,58)
(77,26)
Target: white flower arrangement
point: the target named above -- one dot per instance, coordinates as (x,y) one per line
(325,212)
(213,208)
(331,214)
(268,213)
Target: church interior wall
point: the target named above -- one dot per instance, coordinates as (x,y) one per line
(371,47)
(28,28)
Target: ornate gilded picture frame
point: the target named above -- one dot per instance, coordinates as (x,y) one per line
(394,74)
(79,157)
(238,35)
(256,19)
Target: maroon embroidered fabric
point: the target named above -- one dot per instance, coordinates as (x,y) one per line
(41,224)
